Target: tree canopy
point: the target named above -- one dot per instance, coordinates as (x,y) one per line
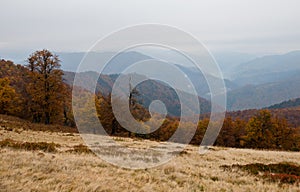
(46,88)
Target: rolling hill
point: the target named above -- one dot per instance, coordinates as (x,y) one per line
(257,83)
(70,62)
(264,95)
(271,68)
(149,90)
(265,81)
(286,104)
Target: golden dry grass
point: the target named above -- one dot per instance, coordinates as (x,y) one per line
(22,170)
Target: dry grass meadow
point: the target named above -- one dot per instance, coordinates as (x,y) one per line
(72,167)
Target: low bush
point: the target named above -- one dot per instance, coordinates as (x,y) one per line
(80,149)
(31,146)
(280,172)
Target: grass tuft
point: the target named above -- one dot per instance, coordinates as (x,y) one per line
(80,149)
(280,172)
(30,146)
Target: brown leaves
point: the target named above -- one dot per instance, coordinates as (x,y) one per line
(46,89)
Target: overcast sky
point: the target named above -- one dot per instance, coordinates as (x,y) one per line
(252,26)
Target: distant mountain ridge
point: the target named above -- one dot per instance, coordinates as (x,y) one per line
(286,104)
(265,81)
(119,63)
(271,68)
(149,90)
(258,83)
(260,96)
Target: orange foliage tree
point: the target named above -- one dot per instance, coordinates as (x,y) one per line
(8,97)
(46,88)
(267,132)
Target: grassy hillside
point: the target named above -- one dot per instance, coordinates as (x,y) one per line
(72,167)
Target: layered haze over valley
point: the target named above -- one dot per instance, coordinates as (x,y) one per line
(252,82)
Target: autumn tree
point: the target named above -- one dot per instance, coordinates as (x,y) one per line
(46,88)
(105,113)
(16,75)
(7,96)
(108,118)
(259,130)
(284,137)
(68,117)
(201,128)
(239,131)
(226,136)
(135,103)
(266,131)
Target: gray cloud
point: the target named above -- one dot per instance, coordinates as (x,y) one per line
(74,25)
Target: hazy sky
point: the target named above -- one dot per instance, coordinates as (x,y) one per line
(253,26)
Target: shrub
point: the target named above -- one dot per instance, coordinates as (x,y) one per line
(31,146)
(80,149)
(280,172)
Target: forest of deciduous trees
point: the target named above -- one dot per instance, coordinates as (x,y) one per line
(38,93)
(262,130)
